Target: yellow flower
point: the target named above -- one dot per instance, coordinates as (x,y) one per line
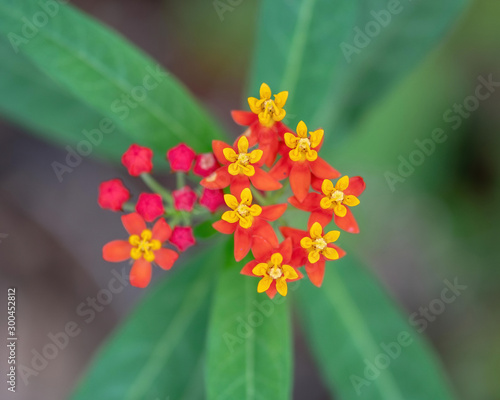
(241,161)
(317,244)
(268,110)
(243,212)
(335,198)
(274,270)
(302,145)
(143,246)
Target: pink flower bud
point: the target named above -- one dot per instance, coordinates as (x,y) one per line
(181,158)
(182,237)
(205,164)
(112,195)
(137,160)
(150,206)
(184,199)
(212,199)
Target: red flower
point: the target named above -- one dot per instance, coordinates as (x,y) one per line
(138,160)
(268,138)
(143,246)
(271,263)
(239,168)
(246,221)
(313,249)
(112,195)
(205,164)
(181,158)
(150,206)
(334,202)
(182,237)
(184,199)
(302,160)
(212,199)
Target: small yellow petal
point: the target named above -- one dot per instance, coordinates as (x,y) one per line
(327,187)
(311,155)
(231,201)
(351,200)
(247,170)
(325,203)
(316,231)
(306,242)
(276,259)
(155,244)
(134,240)
(265,91)
(331,236)
(313,257)
(243,144)
(246,222)
(264,284)
(230,216)
(255,210)
(291,140)
(146,234)
(260,269)
(289,272)
(295,155)
(149,256)
(340,210)
(266,119)
(135,253)
(234,169)
(230,154)
(255,156)
(252,102)
(246,196)
(330,253)
(279,114)
(342,183)
(316,137)
(280,98)
(302,129)
(281,286)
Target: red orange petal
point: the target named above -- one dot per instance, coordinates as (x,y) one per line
(281,169)
(116,251)
(247,269)
(244,118)
(263,181)
(261,249)
(272,213)
(218,148)
(165,258)
(162,230)
(347,223)
(140,274)
(224,227)
(324,217)
(316,271)
(242,243)
(300,180)
(321,169)
(286,249)
(133,223)
(356,186)
(262,228)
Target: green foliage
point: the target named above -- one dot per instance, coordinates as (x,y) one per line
(249,341)
(365,348)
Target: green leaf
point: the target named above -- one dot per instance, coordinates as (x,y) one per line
(299,50)
(249,344)
(103,71)
(159,351)
(350,323)
(29,98)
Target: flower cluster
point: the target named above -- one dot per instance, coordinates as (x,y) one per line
(247,178)
(160,207)
(268,142)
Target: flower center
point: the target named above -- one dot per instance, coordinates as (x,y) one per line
(243,158)
(275,272)
(243,210)
(337,195)
(268,106)
(304,144)
(144,245)
(319,244)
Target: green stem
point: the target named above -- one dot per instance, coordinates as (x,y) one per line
(181,180)
(128,207)
(156,187)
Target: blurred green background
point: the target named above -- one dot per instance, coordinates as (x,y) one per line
(441,223)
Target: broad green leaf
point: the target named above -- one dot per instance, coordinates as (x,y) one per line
(106,73)
(355,331)
(159,351)
(28,97)
(249,344)
(299,50)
